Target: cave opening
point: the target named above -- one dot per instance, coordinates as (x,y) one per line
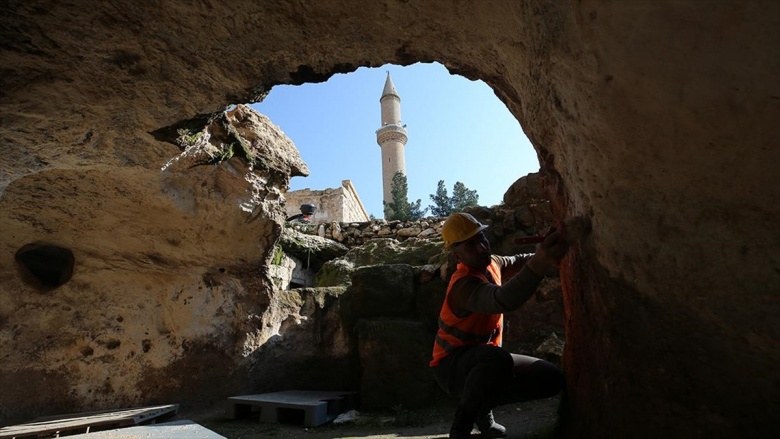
(458,131)
(656,118)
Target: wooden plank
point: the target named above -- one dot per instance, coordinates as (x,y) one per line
(87,421)
(182,429)
(292,397)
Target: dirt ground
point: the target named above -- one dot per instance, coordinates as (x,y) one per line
(528,420)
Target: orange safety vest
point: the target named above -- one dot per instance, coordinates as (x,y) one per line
(474,328)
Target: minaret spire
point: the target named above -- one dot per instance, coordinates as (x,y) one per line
(389,88)
(391,138)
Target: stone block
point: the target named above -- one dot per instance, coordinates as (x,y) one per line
(394,355)
(383,290)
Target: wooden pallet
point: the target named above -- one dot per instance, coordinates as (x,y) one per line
(313,408)
(63,425)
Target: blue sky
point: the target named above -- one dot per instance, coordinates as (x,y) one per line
(458,131)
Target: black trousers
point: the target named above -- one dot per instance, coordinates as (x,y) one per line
(485,376)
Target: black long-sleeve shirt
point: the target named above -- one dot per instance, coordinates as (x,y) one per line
(472,294)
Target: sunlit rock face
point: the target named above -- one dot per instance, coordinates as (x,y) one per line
(167,288)
(657,120)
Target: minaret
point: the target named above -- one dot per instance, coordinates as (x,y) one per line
(391,138)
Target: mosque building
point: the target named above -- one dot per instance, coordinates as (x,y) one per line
(343,204)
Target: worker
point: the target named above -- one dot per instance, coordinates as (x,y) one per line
(468,360)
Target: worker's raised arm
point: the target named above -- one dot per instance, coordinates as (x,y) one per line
(471,294)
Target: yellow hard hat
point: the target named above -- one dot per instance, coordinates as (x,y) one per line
(459,227)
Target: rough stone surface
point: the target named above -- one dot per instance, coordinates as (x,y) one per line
(238,132)
(658,120)
(551,349)
(312,250)
(526,190)
(289,272)
(334,273)
(383,290)
(427,303)
(413,251)
(532,324)
(353,234)
(169,282)
(390,251)
(314,346)
(394,356)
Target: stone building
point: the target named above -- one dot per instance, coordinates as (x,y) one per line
(335,204)
(343,204)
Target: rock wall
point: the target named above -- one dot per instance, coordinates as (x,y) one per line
(504,221)
(656,119)
(169,287)
(353,234)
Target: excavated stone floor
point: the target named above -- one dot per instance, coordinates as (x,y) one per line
(529,420)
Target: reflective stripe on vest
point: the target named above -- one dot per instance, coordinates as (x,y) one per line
(474,328)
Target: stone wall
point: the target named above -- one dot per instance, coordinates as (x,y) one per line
(353,207)
(524,214)
(353,234)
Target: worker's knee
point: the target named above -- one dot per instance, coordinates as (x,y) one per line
(547,378)
(498,357)
(494,364)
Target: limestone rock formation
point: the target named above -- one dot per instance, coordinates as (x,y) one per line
(313,251)
(394,335)
(168,285)
(658,120)
(336,272)
(390,251)
(314,344)
(238,132)
(413,251)
(383,290)
(393,356)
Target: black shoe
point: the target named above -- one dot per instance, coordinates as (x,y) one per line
(488,426)
(462,424)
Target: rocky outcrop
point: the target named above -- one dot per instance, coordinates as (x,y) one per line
(655,119)
(312,250)
(168,287)
(313,347)
(239,132)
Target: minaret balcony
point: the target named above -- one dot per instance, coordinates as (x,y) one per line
(391,131)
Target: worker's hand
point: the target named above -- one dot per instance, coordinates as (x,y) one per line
(550,251)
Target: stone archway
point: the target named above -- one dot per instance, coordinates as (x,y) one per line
(657,120)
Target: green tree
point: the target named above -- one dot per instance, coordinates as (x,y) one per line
(442,204)
(463,197)
(400,208)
